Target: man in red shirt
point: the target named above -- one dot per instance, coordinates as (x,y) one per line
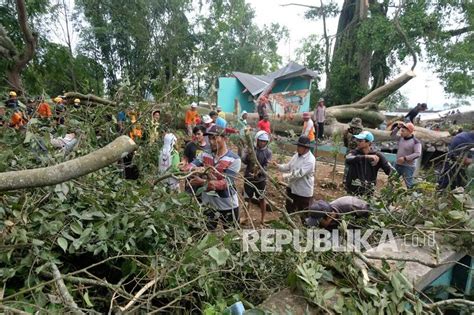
(264,124)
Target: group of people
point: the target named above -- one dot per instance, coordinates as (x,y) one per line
(13,115)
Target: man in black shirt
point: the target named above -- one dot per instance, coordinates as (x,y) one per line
(199,144)
(410,117)
(364,164)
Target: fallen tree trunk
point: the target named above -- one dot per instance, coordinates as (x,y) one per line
(425,135)
(81,166)
(89,98)
(380,93)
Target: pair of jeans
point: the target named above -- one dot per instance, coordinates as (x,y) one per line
(320,130)
(407,173)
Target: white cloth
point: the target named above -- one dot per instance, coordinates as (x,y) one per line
(300,175)
(166,158)
(309,127)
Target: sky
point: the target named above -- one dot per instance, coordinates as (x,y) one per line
(424,88)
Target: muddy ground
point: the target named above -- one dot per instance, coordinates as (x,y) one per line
(326,187)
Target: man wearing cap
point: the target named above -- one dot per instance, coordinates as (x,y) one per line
(208,124)
(300,175)
(409,149)
(219,121)
(256,179)
(308,129)
(12,101)
(77,103)
(355,127)
(326,215)
(219,180)
(242,124)
(364,164)
(320,117)
(60,110)
(191,118)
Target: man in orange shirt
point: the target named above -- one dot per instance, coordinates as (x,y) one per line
(17,121)
(308,130)
(191,119)
(44,111)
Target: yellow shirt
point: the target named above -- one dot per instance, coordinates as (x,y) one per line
(221,114)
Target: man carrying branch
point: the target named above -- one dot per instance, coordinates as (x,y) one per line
(219,169)
(256,179)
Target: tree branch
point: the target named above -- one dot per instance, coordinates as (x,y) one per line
(62,172)
(445,303)
(458,31)
(63,291)
(299,5)
(30,39)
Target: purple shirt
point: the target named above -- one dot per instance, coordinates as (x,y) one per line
(409,147)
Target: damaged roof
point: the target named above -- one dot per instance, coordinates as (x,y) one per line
(256,84)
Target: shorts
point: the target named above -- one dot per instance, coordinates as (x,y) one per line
(257,192)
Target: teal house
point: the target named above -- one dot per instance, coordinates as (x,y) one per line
(288,90)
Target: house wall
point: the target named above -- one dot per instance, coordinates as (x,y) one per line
(295,84)
(229,89)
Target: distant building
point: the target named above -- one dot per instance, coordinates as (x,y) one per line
(288,90)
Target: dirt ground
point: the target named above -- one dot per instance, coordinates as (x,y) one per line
(325,188)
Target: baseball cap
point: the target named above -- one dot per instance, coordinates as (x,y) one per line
(207,119)
(193,104)
(365,135)
(409,126)
(262,136)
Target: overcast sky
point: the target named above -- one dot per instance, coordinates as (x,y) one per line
(425,87)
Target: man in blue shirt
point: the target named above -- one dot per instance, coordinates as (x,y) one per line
(219,121)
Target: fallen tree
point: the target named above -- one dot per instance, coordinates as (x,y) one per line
(88,98)
(63,172)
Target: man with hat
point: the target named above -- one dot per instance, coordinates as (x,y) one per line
(300,175)
(77,103)
(326,215)
(218,120)
(409,149)
(262,106)
(320,117)
(308,129)
(364,164)
(12,101)
(256,179)
(191,118)
(218,180)
(355,127)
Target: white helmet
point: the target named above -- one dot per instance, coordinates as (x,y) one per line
(262,136)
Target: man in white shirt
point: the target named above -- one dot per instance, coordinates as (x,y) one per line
(300,176)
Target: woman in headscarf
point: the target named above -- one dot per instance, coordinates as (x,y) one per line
(169,160)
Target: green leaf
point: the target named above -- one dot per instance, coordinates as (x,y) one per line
(62,243)
(87,300)
(220,256)
(456,215)
(329,294)
(371,291)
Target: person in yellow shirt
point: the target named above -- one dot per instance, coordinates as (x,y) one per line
(220,113)
(308,130)
(191,119)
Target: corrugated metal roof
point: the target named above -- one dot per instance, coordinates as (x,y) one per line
(256,84)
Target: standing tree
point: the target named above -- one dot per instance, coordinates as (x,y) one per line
(17,60)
